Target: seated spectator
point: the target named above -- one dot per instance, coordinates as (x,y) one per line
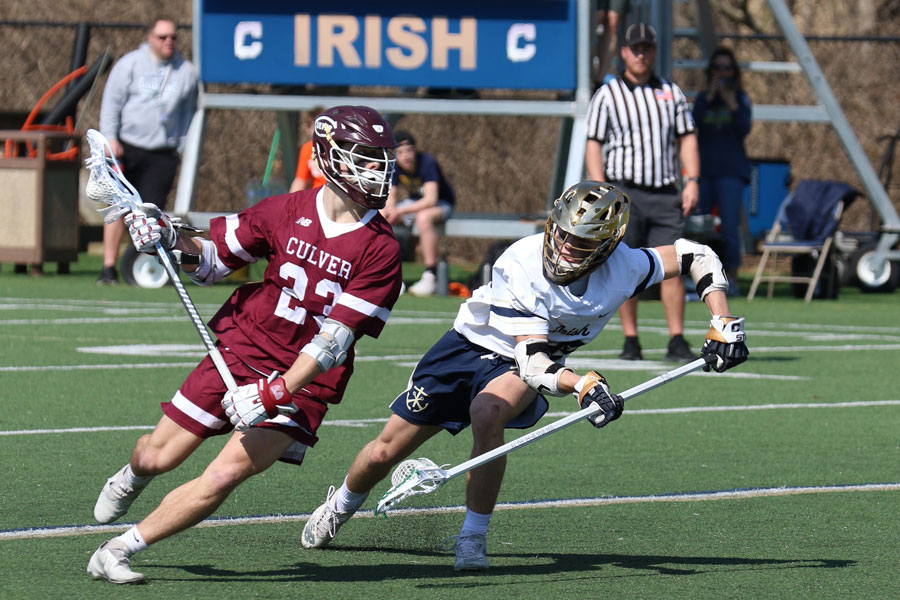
(308,174)
(427,201)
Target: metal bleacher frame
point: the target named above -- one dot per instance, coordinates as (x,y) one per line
(569,159)
(828,111)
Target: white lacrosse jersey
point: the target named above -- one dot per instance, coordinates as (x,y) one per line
(521,301)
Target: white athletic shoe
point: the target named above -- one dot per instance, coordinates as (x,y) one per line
(324,523)
(115,498)
(471,551)
(427,286)
(111,562)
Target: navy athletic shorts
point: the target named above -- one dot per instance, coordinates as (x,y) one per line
(448,378)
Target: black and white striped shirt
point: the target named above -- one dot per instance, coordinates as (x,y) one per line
(639,125)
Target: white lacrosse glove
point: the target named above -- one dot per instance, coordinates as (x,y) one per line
(725,343)
(251,404)
(150,226)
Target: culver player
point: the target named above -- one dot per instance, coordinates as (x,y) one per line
(550,294)
(333,275)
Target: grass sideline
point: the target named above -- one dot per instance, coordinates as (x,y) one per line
(815,407)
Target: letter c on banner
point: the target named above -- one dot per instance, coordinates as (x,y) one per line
(521,31)
(243,30)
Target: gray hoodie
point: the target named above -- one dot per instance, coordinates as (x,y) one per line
(149,103)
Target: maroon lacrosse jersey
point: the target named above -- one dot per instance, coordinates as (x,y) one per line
(349,272)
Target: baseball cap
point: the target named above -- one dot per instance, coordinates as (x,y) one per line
(404,137)
(640,33)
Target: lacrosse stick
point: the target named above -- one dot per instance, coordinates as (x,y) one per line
(106,184)
(422,476)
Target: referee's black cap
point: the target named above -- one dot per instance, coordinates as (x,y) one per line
(640,33)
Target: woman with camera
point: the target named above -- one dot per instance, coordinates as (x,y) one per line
(722,115)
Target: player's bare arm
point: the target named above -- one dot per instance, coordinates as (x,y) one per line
(429,198)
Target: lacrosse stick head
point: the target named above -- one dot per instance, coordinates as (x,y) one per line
(411,478)
(106,184)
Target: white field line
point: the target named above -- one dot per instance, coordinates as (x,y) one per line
(822,333)
(113,311)
(737,494)
(411,359)
(639,411)
(754,350)
(31,302)
(69,304)
(99,367)
(94,320)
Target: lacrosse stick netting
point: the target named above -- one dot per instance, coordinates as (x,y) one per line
(411,478)
(107,185)
(424,476)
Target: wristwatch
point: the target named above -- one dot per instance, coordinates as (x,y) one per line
(697,179)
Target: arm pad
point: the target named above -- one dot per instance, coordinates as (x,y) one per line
(209,270)
(329,346)
(703,265)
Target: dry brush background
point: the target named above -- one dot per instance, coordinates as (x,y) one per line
(504,164)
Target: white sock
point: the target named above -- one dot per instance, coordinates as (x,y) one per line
(137,481)
(133,540)
(475,523)
(345,500)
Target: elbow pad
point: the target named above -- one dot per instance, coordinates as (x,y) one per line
(536,368)
(329,347)
(703,265)
(210,270)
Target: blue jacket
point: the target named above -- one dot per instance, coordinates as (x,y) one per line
(720,134)
(810,211)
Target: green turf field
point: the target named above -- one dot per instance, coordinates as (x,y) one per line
(779,479)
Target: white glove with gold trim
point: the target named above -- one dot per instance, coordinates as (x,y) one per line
(725,341)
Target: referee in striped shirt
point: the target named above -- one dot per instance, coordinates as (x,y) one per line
(642,119)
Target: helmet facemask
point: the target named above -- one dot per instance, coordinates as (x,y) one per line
(584,227)
(366,172)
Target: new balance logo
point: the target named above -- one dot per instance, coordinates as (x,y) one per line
(303,221)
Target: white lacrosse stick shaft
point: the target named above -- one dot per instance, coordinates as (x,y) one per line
(591,410)
(436,477)
(196,319)
(117,191)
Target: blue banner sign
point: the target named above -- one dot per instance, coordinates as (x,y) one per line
(524,44)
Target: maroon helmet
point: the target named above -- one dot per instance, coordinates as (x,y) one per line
(354,149)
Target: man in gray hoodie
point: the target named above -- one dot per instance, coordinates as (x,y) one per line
(148,103)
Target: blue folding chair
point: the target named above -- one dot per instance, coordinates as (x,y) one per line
(805,225)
